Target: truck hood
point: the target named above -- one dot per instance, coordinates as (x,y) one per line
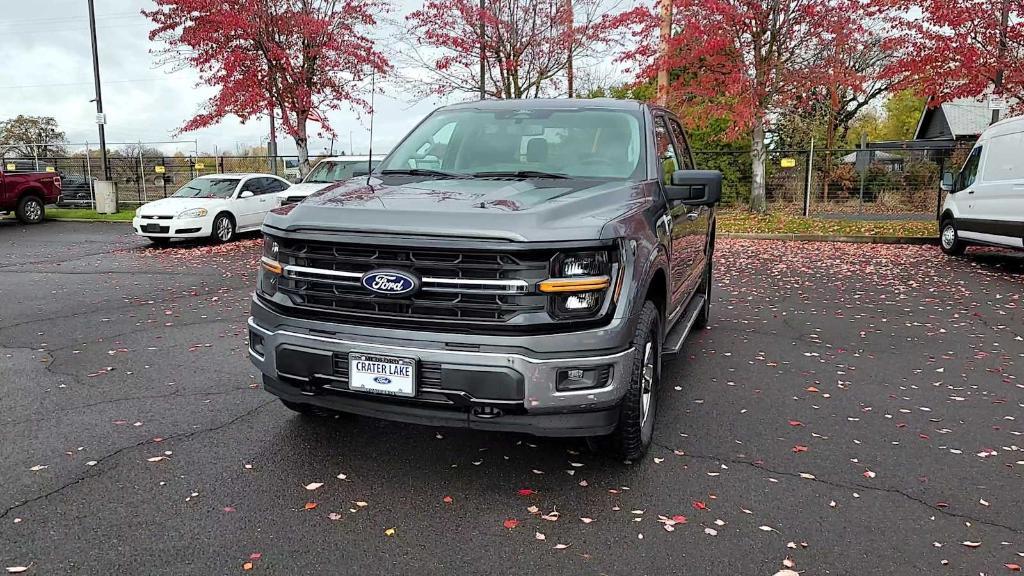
(507,209)
(174,206)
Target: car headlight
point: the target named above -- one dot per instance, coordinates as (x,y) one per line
(579,283)
(137,211)
(193,213)
(270,268)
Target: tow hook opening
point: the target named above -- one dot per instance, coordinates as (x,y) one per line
(486,412)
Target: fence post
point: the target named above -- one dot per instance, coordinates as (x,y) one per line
(807,184)
(35,155)
(938,198)
(220,164)
(163,177)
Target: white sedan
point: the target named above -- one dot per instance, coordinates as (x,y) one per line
(216,206)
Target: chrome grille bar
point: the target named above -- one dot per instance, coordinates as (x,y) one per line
(430,283)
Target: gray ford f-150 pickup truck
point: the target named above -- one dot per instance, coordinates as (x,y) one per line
(511,265)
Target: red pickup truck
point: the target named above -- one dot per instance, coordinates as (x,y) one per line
(25,194)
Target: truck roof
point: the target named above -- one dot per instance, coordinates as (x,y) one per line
(549,103)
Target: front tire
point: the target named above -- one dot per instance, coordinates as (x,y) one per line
(223,228)
(949,239)
(635,430)
(30,210)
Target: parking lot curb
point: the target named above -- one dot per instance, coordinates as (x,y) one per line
(918,240)
(88,220)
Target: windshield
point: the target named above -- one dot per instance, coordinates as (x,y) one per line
(329,171)
(586,143)
(208,188)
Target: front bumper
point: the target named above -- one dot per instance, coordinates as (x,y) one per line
(501,383)
(175,227)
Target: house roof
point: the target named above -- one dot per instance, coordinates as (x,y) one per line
(876,156)
(964,117)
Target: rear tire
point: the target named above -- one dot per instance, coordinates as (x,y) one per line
(635,430)
(949,239)
(30,210)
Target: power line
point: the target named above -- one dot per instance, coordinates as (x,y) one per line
(58,19)
(58,84)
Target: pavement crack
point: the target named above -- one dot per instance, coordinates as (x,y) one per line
(127,399)
(100,471)
(844,486)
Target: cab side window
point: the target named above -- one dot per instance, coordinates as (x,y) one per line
(667,156)
(969,173)
(680,139)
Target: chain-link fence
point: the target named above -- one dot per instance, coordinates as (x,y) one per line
(141,177)
(884,180)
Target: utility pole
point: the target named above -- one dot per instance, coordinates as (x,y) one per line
(1004,22)
(101,119)
(664,37)
(483,71)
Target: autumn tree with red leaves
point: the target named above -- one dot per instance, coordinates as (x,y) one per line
(528,45)
(751,61)
(298,57)
(963,48)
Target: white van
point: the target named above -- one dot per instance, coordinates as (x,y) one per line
(986,202)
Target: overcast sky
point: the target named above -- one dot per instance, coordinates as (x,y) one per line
(47,71)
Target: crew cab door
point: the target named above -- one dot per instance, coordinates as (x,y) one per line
(688,225)
(995,191)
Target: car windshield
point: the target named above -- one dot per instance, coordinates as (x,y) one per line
(329,171)
(581,143)
(208,188)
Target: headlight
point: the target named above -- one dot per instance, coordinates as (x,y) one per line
(137,211)
(270,268)
(579,284)
(193,213)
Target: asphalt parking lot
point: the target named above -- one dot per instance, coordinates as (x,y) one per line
(853,409)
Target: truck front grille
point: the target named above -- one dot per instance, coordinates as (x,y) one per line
(480,286)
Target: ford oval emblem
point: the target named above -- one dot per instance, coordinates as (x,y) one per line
(390,282)
(383,380)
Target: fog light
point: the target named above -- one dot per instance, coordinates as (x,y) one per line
(582,378)
(256,343)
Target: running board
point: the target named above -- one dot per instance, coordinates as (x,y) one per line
(674,339)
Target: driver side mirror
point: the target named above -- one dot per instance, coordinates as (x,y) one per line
(701,187)
(948,182)
(246,194)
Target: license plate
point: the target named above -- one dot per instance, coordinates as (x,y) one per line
(150,227)
(382,374)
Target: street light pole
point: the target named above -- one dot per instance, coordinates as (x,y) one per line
(100,118)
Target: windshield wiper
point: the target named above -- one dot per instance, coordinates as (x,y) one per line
(520,174)
(422,172)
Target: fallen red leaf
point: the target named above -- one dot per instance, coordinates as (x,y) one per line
(310,505)
(812,389)
(1013,567)
(510,523)
(679,519)
(800,448)
(795,423)
(448,499)
(255,556)
(526,492)
(698,505)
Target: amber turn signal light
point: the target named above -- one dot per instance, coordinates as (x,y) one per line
(586,284)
